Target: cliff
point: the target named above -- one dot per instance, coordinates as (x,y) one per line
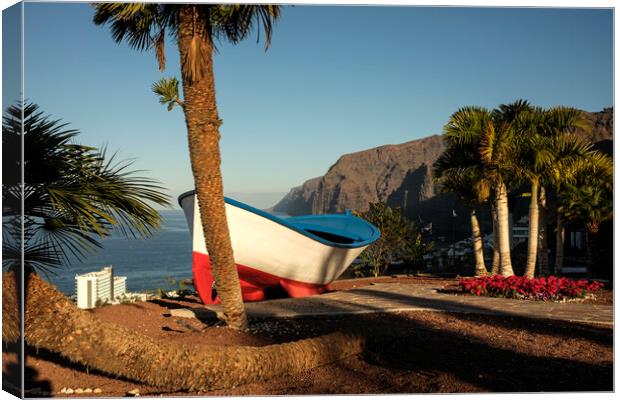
(400,175)
(380,174)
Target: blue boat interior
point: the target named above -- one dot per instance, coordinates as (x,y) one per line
(337,230)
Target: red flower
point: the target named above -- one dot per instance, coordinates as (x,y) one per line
(551,288)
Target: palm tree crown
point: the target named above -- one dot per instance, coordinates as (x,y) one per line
(72,194)
(145,27)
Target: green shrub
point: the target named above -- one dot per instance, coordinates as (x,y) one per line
(399,241)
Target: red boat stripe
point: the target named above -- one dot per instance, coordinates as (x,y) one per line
(253,282)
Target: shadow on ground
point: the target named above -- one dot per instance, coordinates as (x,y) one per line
(414,352)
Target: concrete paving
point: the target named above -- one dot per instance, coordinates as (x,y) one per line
(403,297)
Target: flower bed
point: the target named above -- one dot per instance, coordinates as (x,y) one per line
(518,287)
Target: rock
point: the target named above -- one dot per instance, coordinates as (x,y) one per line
(182,312)
(134,392)
(299,200)
(369,176)
(97,390)
(202,314)
(602,125)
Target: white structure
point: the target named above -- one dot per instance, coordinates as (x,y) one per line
(120,286)
(98,287)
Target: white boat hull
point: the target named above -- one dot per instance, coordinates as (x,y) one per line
(267,254)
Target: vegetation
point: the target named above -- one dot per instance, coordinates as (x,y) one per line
(588,200)
(481,142)
(545,289)
(145,26)
(73,194)
(544,148)
(399,241)
(493,152)
(471,187)
(177,286)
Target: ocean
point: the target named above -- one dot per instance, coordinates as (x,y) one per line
(147,263)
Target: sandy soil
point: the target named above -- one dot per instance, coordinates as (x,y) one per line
(416,352)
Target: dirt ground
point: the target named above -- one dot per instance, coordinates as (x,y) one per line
(415,352)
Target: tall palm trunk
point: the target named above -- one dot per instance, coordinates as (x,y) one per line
(203,124)
(481,269)
(532,238)
(495,265)
(589,253)
(543,252)
(505,264)
(54,323)
(559,245)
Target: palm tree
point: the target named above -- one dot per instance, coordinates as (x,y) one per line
(195,27)
(543,249)
(498,147)
(495,262)
(73,196)
(540,149)
(572,156)
(53,322)
(484,139)
(471,187)
(587,199)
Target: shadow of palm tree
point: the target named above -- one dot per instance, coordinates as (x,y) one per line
(467,311)
(405,345)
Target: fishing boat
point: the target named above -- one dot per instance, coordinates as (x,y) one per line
(301,255)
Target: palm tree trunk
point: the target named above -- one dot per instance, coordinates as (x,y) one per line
(54,323)
(543,252)
(203,124)
(495,265)
(481,269)
(559,245)
(589,253)
(505,264)
(532,238)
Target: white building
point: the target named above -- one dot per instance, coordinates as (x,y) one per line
(98,287)
(120,286)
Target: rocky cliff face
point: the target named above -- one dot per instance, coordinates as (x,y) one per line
(300,199)
(397,174)
(400,175)
(602,125)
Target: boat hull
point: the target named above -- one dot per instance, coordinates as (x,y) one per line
(255,284)
(269,255)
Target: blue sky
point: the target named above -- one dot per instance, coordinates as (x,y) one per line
(336,80)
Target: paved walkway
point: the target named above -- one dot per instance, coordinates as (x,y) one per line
(399,297)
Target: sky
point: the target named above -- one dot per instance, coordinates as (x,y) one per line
(336,80)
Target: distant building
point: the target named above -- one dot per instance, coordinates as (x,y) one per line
(120,286)
(98,287)
(520,231)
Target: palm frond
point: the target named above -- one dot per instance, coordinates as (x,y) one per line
(466,125)
(563,120)
(235,22)
(167,89)
(73,194)
(160,53)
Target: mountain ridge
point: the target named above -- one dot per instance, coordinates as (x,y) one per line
(399,175)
